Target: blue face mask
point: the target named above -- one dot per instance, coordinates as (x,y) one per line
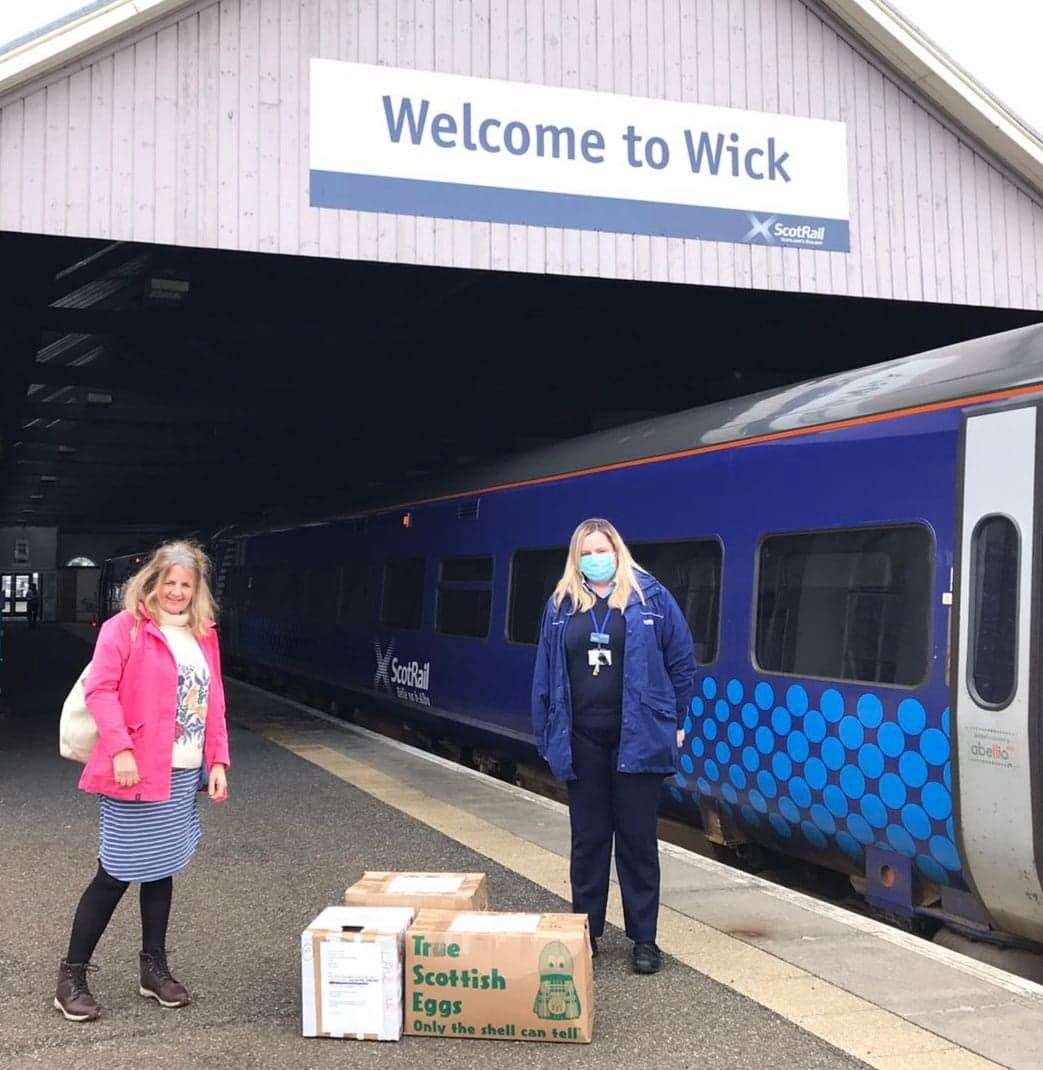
(598,568)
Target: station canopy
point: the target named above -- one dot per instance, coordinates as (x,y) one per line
(196,388)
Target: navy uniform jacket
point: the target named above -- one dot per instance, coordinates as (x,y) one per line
(658,683)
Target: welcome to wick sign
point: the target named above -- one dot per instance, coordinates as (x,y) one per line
(384,139)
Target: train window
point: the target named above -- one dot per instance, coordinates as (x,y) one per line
(354,593)
(995,563)
(534,575)
(314,594)
(464,597)
(691,571)
(403,603)
(270,591)
(846,605)
(467,569)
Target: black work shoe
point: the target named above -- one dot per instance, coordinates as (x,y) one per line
(647,958)
(593,947)
(72,996)
(157,982)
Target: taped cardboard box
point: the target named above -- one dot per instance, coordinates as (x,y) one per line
(499,976)
(422,891)
(351,973)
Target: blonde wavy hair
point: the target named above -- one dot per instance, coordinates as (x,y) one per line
(142,590)
(572,585)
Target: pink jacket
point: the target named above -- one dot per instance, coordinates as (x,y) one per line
(132,694)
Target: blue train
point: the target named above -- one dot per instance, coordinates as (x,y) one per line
(858,558)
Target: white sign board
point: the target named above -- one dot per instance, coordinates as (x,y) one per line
(385,139)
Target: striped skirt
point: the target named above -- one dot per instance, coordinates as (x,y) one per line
(148,841)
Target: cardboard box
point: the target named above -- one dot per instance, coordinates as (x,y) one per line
(435,891)
(499,976)
(351,973)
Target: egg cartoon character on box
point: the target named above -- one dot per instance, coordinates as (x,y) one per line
(556,999)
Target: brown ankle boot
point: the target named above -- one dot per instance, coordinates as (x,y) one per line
(72,996)
(157,982)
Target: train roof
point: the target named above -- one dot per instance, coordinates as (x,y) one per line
(976,368)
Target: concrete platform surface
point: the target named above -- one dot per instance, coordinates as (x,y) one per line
(317,801)
(293,835)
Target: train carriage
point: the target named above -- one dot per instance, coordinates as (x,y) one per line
(858,558)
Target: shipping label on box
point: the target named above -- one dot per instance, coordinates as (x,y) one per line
(499,977)
(437,891)
(351,973)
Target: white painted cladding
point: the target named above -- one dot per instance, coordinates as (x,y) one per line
(195,132)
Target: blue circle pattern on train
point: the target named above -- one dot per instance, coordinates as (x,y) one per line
(834,773)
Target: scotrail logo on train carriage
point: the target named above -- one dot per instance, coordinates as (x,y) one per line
(407,680)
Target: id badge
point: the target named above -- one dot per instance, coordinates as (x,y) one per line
(597,658)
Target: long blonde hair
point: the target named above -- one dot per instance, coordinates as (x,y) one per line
(142,590)
(572,586)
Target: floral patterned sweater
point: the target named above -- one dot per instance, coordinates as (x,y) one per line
(193,684)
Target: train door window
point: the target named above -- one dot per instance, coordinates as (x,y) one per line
(403,603)
(464,597)
(995,564)
(354,593)
(534,575)
(691,571)
(846,605)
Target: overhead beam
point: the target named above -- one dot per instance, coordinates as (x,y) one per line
(67,347)
(101,374)
(91,266)
(77,467)
(110,453)
(194,415)
(109,434)
(159,324)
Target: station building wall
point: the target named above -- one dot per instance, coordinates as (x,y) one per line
(195,132)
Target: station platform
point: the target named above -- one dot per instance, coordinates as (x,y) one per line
(757,975)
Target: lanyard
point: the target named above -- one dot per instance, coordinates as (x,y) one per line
(599,635)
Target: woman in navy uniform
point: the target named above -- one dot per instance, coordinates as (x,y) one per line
(615,672)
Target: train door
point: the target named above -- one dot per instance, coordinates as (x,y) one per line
(997,683)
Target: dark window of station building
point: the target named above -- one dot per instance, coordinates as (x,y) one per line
(534,575)
(464,597)
(355,593)
(846,605)
(995,564)
(691,572)
(403,603)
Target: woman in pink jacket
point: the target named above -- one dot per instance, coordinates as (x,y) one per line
(156,695)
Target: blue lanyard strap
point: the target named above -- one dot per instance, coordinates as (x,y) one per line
(599,628)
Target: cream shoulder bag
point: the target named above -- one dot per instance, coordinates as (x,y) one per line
(77,732)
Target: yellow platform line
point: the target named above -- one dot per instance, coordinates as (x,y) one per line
(855,1026)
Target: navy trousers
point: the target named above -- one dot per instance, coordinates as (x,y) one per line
(605,804)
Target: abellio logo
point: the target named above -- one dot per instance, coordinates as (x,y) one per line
(993,752)
(407,680)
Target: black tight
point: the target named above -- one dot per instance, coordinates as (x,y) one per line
(100,900)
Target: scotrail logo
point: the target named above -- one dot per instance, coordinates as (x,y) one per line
(381,679)
(409,680)
(759,229)
(772,232)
